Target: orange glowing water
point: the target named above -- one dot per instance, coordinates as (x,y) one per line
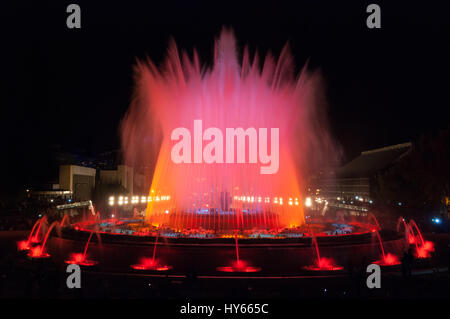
(229,94)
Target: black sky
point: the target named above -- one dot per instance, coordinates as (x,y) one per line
(71,87)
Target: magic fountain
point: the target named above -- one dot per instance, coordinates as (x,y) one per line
(216,203)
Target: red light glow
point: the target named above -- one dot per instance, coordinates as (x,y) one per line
(37,252)
(150,264)
(238,266)
(388,260)
(23,245)
(80,259)
(325,264)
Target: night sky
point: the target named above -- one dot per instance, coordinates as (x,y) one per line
(71,87)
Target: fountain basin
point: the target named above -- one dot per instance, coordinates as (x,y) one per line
(275,256)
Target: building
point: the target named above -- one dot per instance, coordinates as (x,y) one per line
(79,180)
(123,176)
(353,181)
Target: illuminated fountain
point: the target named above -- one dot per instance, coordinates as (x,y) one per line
(413,236)
(426,247)
(80,258)
(224,183)
(322,263)
(39,250)
(33,238)
(151,263)
(228,147)
(409,236)
(388,259)
(238,265)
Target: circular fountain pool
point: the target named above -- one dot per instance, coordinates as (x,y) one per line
(133,246)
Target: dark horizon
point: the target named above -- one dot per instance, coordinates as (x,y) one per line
(72,87)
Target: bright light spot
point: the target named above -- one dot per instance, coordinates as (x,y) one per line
(112,215)
(308,202)
(436,220)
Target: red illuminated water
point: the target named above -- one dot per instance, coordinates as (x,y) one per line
(425,248)
(408,236)
(412,224)
(231,93)
(80,259)
(238,265)
(39,251)
(64,219)
(372,217)
(321,263)
(386,259)
(151,263)
(33,238)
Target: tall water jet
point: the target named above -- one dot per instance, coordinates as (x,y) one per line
(206,101)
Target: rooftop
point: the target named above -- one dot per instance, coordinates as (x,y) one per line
(371,161)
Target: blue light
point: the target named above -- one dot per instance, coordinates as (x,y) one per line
(436,220)
(399,204)
(371,201)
